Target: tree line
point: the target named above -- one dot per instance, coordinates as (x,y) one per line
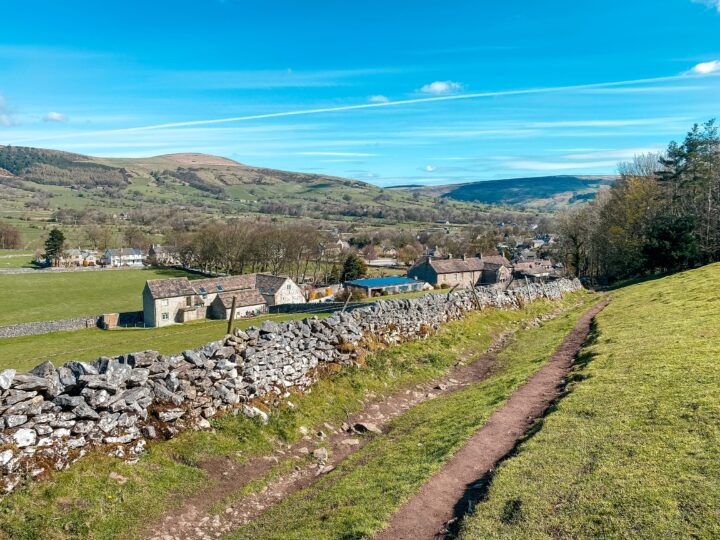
(662,215)
(245,246)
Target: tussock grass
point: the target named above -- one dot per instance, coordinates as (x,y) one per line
(84,502)
(358,498)
(634,450)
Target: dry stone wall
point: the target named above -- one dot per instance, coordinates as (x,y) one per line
(44,327)
(50,417)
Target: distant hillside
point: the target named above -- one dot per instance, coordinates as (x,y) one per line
(38,183)
(543,192)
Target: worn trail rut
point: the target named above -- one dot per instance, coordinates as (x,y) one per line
(441,501)
(192,519)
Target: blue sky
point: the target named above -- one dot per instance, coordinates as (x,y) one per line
(399,92)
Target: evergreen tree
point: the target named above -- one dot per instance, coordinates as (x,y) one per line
(334,276)
(353,268)
(54,246)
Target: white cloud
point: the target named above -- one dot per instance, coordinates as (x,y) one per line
(430,168)
(379,99)
(53,116)
(709,3)
(705,68)
(441,87)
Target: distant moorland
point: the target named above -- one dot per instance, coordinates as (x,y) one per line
(546,193)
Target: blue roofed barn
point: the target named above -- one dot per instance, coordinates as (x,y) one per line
(384,285)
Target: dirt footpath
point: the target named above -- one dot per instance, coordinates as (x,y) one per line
(192,519)
(439,501)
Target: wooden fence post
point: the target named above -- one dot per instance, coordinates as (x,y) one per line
(231,320)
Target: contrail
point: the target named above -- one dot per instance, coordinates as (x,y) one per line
(324,110)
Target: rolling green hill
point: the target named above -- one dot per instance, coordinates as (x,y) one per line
(36,183)
(542,193)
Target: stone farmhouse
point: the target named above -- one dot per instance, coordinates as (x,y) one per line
(178,300)
(163,255)
(123,257)
(463,272)
(78,257)
(536,271)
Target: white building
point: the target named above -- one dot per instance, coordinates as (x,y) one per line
(123,257)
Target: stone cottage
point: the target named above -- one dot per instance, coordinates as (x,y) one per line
(463,272)
(178,300)
(169,301)
(163,255)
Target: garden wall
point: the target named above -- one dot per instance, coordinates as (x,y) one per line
(50,417)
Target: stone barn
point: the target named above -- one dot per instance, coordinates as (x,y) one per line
(248,303)
(464,272)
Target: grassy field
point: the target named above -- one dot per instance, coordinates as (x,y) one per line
(634,450)
(358,498)
(61,295)
(83,502)
(8,260)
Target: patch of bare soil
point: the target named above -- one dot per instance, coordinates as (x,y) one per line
(433,511)
(193,518)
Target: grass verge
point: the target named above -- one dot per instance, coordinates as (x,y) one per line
(358,498)
(85,502)
(634,450)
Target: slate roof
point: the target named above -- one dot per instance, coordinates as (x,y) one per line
(244,298)
(534,268)
(451,266)
(224,283)
(269,284)
(469,264)
(123,252)
(497,260)
(158,249)
(169,288)
(382,282)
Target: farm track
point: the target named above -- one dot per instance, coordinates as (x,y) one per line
(434,512)
(194,518)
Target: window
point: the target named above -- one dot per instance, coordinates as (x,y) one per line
(203,291)
(188,301)
(164,302)
(289,286)
(219,287)
(165,316)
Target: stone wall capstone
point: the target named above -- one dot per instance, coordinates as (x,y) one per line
(50,417)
